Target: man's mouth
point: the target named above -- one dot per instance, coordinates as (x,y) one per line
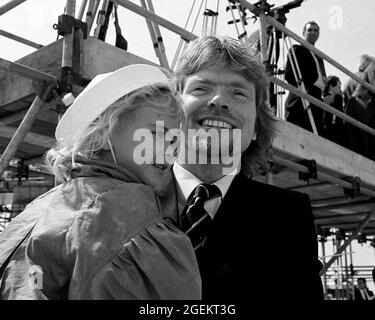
(216,124)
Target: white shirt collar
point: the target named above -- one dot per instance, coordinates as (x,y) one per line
(187,182)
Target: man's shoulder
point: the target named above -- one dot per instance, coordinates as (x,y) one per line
(262,188)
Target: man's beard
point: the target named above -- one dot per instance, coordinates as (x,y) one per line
(211,146)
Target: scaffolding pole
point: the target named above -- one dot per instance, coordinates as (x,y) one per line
(186,35)
(263,38)
(346,274)
(155,34)
(91,13)
(82,9)
(20,39)
(324,261)
(352,273)
(10,5)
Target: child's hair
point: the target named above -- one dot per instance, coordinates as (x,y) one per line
(89,144)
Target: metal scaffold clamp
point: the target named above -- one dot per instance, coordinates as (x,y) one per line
(355,189)
(66,24)
(312,170)
(261,6)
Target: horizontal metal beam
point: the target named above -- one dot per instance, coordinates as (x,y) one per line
(19,39)
(321,175)
(26,72)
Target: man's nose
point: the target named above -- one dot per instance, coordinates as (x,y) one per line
(219,101)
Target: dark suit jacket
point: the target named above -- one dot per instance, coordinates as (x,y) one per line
(307,67)
(309,73)
(358,295)
(263,240)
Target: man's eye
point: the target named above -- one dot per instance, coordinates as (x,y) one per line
(199,89)
(241,94)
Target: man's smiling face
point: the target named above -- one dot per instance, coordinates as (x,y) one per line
(219,98)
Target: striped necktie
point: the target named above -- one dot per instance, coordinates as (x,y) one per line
(195,221)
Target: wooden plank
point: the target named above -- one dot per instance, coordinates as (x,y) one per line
(37,140)
(297,142)
(355,217)
(18,116)
(26,150)
(349,206)
(101,57)
(46,59)
(337,200)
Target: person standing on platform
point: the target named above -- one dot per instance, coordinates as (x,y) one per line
(360,105)
(313,76)
(334,128)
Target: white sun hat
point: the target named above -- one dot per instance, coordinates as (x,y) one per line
(100,93)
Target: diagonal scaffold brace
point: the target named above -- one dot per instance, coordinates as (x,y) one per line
(49,82)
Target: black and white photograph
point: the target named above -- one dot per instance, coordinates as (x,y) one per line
(196,158)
